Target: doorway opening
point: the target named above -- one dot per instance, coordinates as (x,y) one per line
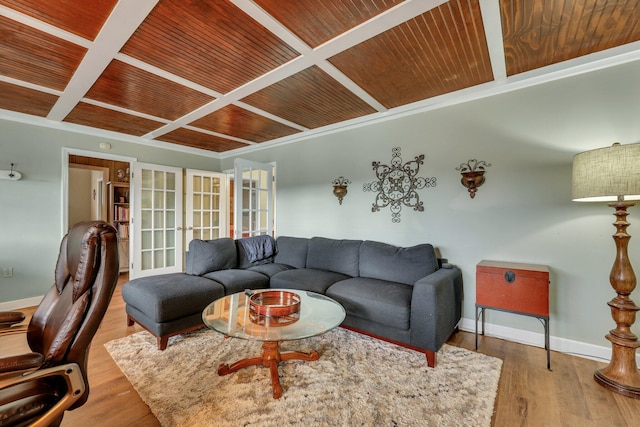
(96,187)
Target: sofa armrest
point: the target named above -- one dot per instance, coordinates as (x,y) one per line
(436,308)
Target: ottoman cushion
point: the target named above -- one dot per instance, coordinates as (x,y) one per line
(171,296)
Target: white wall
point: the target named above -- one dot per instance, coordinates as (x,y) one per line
(522,213)
(31,210)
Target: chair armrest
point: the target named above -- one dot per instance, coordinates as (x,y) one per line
(69,372)
(10,322)
(11,317)
(20,363)
(436,308)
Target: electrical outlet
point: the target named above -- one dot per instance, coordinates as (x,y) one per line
(7,272)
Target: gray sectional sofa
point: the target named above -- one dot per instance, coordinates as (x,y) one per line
(403,295)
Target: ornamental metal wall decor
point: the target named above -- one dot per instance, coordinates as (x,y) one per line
(396,185)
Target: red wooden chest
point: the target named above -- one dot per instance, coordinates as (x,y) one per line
(521,288)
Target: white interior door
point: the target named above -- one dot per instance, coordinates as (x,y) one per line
(253,198)
(206,200)
(157,220)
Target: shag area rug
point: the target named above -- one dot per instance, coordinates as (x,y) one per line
(358,381)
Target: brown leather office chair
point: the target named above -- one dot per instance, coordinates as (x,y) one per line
(37,388)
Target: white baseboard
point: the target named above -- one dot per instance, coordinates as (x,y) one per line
(20,303)
(562,345)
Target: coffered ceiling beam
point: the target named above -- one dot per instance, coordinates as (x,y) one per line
(125,18)
(309,57)
(490,11)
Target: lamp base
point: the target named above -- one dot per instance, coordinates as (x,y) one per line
(613,385)
(621,375)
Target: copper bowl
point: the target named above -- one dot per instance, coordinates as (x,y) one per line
(274,303)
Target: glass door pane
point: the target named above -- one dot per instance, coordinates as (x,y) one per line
(206,197)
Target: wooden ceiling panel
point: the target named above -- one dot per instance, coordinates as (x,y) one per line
(190,138)
(441,51)
(240,123)
(129,87)
(104,118)
(393,52)
(545,32)
(36,57)
(24,100)
(212,43)
(81,17)
(310,98)
(318,21)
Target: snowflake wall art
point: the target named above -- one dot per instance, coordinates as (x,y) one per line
(397,184)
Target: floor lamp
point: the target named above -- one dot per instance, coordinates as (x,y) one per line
(612,174)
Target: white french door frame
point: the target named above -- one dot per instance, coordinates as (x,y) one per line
(156,223)
(257,182)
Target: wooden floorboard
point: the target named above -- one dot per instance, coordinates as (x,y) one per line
(528,394)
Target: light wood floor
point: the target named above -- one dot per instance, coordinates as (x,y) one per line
(528,394)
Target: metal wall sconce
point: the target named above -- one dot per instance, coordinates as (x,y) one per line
(340,188)
(13,175)
(472,175)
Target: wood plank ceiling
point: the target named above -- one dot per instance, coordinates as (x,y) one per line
(222,75)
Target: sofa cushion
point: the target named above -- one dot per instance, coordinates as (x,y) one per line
(306,279)
(270,269)
(380,301)
(211,255)
(396,264)
(171,296)
(235,280)
(292,251)
(340,256)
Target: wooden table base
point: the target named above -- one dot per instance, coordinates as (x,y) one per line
(270,358)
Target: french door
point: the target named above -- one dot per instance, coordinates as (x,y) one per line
(206,203)
(253,198)
(156,223)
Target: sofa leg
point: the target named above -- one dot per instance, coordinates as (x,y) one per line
(431,358)
(130,321)
(162,342)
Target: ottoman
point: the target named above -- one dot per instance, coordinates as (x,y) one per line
(169,304)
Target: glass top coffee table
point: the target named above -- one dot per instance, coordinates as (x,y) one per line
(242,316)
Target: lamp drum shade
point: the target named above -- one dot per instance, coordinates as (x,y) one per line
(603,174)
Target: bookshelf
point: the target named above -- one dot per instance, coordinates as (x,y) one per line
(119,215)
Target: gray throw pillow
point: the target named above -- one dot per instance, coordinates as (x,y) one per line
(206,256)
